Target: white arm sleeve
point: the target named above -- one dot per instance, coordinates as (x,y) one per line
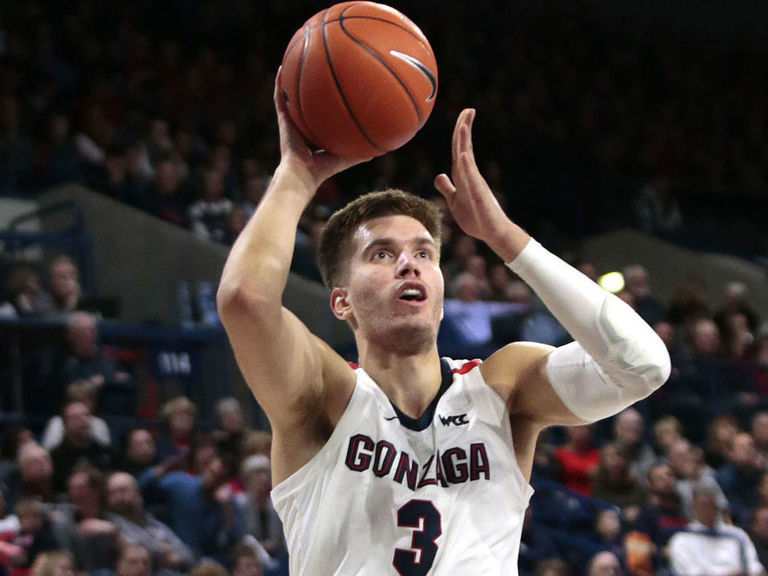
(617,358)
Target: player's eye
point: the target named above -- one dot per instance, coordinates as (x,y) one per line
(380,254)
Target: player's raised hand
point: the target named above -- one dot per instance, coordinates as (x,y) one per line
(313,167)
(470,199)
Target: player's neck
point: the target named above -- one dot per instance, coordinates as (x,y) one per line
(410,382)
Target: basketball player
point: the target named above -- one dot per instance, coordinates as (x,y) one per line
(413,464)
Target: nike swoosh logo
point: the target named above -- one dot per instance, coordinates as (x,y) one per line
(421,67)
(390,418)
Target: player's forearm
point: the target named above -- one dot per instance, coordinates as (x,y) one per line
(631,359)
(260,259)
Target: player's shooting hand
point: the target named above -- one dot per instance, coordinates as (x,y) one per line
(470,199)
(312,167)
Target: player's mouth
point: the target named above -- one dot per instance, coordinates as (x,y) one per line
(412,292)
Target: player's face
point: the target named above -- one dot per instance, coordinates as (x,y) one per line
(394,294)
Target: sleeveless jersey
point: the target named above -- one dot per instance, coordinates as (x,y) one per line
(392,495)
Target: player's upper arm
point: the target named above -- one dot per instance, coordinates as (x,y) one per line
(518,372)
(291,372)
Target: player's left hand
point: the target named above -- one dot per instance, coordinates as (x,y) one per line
(470,199)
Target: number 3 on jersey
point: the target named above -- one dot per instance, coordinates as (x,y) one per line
(425,519)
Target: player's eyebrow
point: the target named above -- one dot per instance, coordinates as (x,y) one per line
(388,242)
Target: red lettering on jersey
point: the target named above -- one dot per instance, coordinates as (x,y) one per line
(455,465)
(359,453)
(425,481)
(405,469)
(478,462)
(450,467)
(467,366)
(385,456)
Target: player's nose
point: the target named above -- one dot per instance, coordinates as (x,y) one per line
(407,265)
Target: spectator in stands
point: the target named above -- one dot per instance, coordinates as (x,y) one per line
(740,477)
(666,431)
(711,546)
(65,294)
(137,526)
(35,535)
(688,304)
(179,416)
(202,511)
(721,431)
(710,384)
(78,445)
(578,459)
(687,462)
(659,517)
(208,215)
(604,563)
(468,318)
(24,293)
(82,391)
(245,561)
(54,563)
(609,531)
(230,429)
(203,450)
(35,475)
(88,362)
(614,482)
(134,560)
(165,198)
(14,437)
(82,527)
(259,515)
(629,432)
(139,452)
(759,533)
(650,308)
(736,299)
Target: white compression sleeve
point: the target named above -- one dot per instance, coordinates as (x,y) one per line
(617,358)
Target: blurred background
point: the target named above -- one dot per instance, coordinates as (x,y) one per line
(136,139)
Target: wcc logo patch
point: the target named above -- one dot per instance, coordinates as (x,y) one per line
(454,420)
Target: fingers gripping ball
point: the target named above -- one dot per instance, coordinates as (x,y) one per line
(360,79)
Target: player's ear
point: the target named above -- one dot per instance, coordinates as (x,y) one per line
(340,304)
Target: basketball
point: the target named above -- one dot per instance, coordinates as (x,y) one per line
(360,79)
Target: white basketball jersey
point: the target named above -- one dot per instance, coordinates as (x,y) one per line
(388,494)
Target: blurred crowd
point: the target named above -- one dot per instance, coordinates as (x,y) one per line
(167,107)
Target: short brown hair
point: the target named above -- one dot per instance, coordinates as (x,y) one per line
(336,241)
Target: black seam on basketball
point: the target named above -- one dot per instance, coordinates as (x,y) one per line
(299,107)
(406,29)
(381,60)
(341,92)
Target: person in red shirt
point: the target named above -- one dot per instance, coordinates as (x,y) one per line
(578,459)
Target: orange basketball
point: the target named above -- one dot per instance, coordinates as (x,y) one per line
(360,79)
